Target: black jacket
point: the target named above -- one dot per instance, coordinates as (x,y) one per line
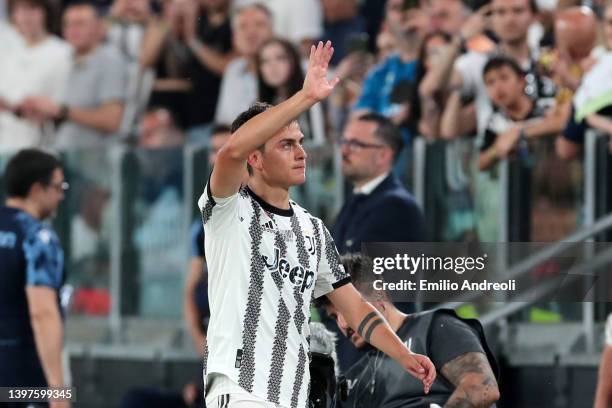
(388,214)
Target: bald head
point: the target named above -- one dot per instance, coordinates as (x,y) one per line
(576,32)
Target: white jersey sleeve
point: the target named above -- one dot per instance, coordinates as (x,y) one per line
(331,274)
(218,213)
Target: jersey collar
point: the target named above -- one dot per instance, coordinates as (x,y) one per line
(269,207)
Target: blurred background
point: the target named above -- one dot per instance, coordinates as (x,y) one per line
(131,92)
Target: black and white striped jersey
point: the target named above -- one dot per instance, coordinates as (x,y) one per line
(265,265)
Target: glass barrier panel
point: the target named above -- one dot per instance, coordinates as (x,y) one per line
(154,266)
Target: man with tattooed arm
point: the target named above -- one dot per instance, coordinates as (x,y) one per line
(457,347)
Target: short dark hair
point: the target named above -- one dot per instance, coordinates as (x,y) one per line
(385,131)
(499,61)
(254,110)
(27,167)
(84,3)
(45,5)
(220,128)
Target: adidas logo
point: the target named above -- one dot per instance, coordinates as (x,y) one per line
(268,226)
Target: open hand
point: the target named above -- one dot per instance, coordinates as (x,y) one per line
(421,367)
(316,85)
(476,23)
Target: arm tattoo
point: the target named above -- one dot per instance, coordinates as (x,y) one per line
(459,403)
(478,390)
(371,329)
(365,321)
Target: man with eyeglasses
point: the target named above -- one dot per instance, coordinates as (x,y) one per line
(380,208)
(32,273)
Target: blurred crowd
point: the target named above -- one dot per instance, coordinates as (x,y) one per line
(83,74)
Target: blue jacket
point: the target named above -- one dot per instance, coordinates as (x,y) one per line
(388,214)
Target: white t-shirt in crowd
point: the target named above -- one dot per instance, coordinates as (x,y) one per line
(294,20)
(39,70)
(238,91)
(265,266)
(9,38)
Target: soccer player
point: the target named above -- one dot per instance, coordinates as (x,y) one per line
(32,274)
(267,258)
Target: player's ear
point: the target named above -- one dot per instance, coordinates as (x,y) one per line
(255,160)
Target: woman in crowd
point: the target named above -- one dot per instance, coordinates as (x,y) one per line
(280,75)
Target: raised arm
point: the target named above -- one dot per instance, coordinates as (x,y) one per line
(371,325)
(231,160)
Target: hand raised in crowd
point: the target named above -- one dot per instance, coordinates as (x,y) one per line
(136,11)
(316,85)
(476,23)
(506,142)
(353,66)
(189,11)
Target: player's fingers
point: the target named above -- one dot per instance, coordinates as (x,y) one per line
(319,52)
(431,374)
(416,369)
(330,53)
(335,82)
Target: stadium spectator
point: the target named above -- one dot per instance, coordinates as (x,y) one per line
(510,20)
(352,71)
(342,26)
(9,37)
(369,146)
(577,70)
(125,28)
(390,86)
(386,45)
(603,397)
(280,75)
(427,110)
(126,24)
(189,47)
(448,16)
(299,21)
(252,27)
(39,67)
(91,106)
(31,328)
(457,347)
(505,82)
(158,129)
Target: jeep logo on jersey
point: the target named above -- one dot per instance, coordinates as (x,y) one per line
(297,275)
